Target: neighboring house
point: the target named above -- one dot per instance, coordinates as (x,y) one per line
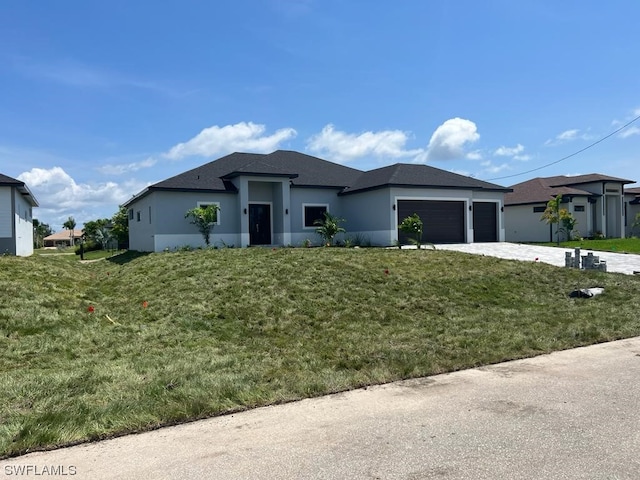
(274,199)
(64,238)
(632,208)
(595,201)
(16,217)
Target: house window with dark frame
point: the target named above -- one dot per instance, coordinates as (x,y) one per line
(215,204)
(578,208)
(138,216)
(131,214)
(313,213)
(539,209)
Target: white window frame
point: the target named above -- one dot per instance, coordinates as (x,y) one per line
(205,203)
(304,206)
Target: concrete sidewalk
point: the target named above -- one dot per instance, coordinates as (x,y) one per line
(616,262)
(568,415)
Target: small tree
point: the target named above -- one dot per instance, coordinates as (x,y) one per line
(413,227)
(120,222)
(568,222)
(329,227)
(204,218)
(636,223)
(561,217)
(40,230)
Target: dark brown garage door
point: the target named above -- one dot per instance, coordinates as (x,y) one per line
(485,222)
(443,220)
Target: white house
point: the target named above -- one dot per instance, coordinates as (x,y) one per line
(16,207)
(274,199)
(596,202)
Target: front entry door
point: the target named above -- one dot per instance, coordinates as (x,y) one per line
(259,224)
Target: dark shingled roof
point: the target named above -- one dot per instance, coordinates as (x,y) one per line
(6,181)
(308,171)
(563,180)
(542,189)
(414,175)
(303,170)
(634,190)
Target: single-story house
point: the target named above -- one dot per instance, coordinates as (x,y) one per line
(274,199)
(632,209)
(16,217)
(64,238)
(596,202)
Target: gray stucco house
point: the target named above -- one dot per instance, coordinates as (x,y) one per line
(16,217)
(274,199)
(596,201)
(632,209)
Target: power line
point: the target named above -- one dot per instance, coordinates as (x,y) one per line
(569,156)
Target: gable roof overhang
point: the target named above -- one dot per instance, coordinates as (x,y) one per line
(412,185)
(6,181)
(248,173)
(409,175)
(152,188)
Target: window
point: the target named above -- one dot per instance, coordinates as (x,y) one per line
(539,209)
(138,216)
(149,213)
(131,214)
(217,204)
(312,213)
(578,208)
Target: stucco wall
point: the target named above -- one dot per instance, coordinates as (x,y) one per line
(632,211)
(6,217)
(369,216)
(315,196)
(524,225)
(23,225)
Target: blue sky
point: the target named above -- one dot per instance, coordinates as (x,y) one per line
(100,99)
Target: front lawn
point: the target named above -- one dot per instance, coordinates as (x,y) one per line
(134,342)
(616,245)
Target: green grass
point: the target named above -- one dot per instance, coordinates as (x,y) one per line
(617,245)
(229,329)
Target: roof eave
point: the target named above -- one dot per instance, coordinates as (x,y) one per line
(439,187)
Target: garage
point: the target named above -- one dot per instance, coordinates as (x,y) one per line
(485,222)
(443,220)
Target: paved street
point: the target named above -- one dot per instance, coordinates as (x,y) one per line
(616,262)
(569,415)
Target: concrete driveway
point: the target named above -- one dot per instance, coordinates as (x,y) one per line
(568,415)
(616,262)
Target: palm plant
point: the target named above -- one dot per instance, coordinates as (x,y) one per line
(329,227)
(204,218)
(70,225)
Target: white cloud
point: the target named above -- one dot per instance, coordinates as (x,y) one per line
(629,132)
(491,168)
(60,196)
(475,155)
(522,158)
(76,74)
(343,147)
(509,151)
(242,136)
(119,169)
(449,139)
(568,136)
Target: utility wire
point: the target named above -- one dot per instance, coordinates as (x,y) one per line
(572,155)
